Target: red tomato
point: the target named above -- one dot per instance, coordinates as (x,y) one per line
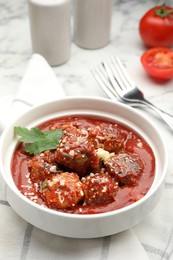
(158,62)
(156,27)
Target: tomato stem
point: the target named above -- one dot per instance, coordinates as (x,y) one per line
(163,12)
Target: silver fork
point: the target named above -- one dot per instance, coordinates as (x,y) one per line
(115,81)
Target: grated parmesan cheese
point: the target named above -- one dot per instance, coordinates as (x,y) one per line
(103,155)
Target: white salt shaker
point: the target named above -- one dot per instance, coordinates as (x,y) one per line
(51,29)
(92,23)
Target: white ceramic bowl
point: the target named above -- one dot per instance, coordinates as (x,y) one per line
(84,226)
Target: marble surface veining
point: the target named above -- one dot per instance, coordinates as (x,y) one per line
(75,75)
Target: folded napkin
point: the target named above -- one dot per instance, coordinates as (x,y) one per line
(39,85)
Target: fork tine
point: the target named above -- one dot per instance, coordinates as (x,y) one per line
(118,74)
(123,74)
(112,74)
(101,77)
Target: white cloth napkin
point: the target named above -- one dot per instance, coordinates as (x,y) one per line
(39,85)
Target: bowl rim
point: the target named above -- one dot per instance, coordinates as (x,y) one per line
(75,215)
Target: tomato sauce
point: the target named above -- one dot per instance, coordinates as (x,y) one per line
(131,143)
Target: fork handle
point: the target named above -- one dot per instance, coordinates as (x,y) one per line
(146,102)
(139,98)
(168,118)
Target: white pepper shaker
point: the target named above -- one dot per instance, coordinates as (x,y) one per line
(51,29)
(92,23)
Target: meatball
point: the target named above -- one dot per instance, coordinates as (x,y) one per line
(107,137)
(76,152)
(63,190)
(126,168)
(43,165)
(99,189)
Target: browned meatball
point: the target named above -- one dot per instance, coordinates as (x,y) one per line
(99,189)
(63,190)
(76,152)
(107,137)
(43,165)
(126,168)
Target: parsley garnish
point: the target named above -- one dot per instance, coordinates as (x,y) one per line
(37,141)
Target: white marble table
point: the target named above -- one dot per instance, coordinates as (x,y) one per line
(76,79)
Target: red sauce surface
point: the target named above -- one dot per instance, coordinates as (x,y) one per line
(126,193)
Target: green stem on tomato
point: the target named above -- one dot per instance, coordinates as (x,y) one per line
(163,12)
